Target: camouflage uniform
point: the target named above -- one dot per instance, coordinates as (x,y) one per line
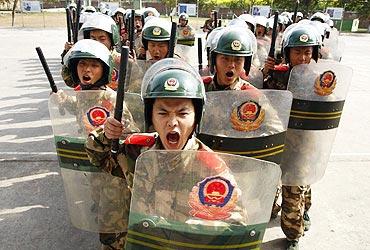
(296,200)
(98,149)
(155,85)
(212,85)
(105,191)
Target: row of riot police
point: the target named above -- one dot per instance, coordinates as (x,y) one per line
(203,171)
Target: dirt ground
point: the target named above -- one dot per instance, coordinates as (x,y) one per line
(33,20)
(54,20)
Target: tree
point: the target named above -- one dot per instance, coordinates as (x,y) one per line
(13,11)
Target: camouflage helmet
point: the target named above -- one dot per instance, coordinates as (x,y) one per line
(301,36)
(99,21)
(90,49)
(172,78)
(232,42)
(156,29)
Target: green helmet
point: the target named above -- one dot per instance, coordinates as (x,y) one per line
(301,36)
(90,49)
(156,29)
(172,78)
(232,42)
(99,21)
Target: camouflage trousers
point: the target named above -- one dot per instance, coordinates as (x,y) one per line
(111,199)
(113,241)
(295,201)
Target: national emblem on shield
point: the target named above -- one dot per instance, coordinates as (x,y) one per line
(325,83)
(213,199)
(247,116)
(185,32)
(97,116)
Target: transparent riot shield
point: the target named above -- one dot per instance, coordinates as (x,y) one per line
(263,48)
(94,199)
(187,53)
(135,74)
(255,77)
(222,201)
(250,123)
(319,91)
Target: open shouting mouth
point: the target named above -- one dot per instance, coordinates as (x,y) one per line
(173,139)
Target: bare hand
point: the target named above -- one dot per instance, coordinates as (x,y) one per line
(113,129)
(269,65)
(68,46)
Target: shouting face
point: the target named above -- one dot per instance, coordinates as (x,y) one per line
(228,69)
(157,50)
(89,71)
(174,120)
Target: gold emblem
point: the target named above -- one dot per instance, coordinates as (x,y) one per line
(236,45)
(303,38)
(171,84)
(247,117)
(213,198)
(157,31)
(186,32)
(325,83)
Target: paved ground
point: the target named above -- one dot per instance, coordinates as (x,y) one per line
(32,201)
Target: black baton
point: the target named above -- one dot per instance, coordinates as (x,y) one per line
(120,93)
(47,70)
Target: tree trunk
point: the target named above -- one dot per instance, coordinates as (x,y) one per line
(13,11)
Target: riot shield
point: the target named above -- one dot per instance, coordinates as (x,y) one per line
(135,74)
(136,107)
(263,48)
(222,201)
(95,199)
(255,77)
(190,53)
(250,123)
(319,91)
(185,36)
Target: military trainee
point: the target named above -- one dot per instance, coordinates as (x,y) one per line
(103,29)
(230,59)
(300,46)
(173,104)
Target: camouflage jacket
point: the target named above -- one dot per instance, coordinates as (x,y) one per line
(157,193)
(98,148)
(210,84)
